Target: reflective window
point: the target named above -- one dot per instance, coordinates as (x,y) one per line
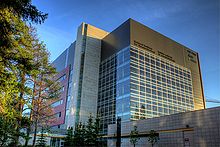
(57,103)
(123,84)
(156,81)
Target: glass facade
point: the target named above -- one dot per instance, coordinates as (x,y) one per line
(123,85)
(137,84)
(107,93)
(69,95)
(158,86)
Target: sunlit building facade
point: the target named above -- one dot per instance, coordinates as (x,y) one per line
(158,86)
(132,73)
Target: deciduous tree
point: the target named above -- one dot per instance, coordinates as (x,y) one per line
(134,136)
(45,89)
(153,137)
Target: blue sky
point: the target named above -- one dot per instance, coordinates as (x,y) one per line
(193,23)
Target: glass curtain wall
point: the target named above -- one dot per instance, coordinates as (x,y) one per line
(137,84)
(107,93)
(123,84)
(158,86)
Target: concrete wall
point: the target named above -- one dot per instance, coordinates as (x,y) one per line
(199,128)
(89,95)
(86,73)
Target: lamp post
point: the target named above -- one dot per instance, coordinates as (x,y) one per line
(118,142)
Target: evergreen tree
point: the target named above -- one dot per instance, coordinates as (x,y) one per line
(92,131)
(89,135)
(7,130)
(16,63)
(84,135)
(25,72)
(97,131)
(24,9)
(68,140)
(79,135)
(41,142)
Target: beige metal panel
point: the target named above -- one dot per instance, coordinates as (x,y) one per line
(94,32)
(146,38)
(192,63)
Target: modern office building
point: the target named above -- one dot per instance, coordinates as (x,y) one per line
(133,72)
